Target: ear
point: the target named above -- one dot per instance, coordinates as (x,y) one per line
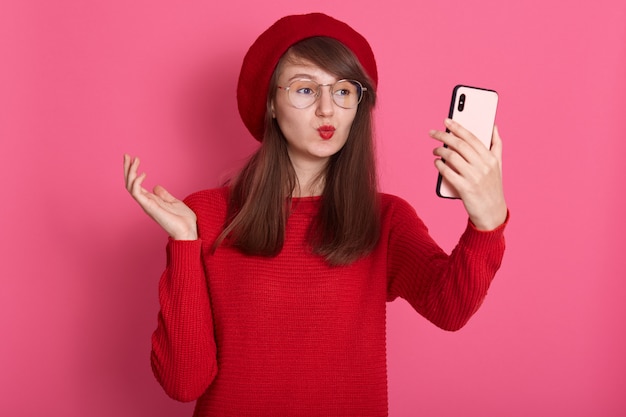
(272,110)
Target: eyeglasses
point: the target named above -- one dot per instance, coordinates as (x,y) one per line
(345,93)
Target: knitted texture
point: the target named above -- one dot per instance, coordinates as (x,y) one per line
(292,336)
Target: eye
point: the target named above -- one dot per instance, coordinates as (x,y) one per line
(344,89)
(343,92)
(306,91)
(304,88)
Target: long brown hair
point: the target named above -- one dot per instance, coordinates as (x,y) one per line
(347,226)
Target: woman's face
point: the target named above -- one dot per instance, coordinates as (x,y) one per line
(317,132)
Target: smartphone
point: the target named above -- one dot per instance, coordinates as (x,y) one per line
(475,109)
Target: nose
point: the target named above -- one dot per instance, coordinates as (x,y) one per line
(325,104)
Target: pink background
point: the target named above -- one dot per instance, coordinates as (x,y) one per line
(83,82)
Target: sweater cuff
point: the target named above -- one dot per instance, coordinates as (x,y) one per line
(184,255)
(474,237)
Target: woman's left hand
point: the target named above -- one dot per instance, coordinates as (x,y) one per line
(474,171)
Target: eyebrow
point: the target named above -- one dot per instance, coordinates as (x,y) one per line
(305,76)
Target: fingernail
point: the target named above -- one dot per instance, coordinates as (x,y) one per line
(447,122)
(432,132)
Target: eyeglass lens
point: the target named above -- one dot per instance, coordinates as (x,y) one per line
(345,93)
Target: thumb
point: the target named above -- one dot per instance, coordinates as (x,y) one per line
(496,144)
(163,194)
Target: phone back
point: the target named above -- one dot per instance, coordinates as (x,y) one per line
(475,109)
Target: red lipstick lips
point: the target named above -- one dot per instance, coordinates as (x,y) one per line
(326,132)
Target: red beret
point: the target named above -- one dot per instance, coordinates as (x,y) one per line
(264,54)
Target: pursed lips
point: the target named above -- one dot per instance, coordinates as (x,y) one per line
(326,132)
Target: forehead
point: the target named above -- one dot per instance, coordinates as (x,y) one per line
(293,67)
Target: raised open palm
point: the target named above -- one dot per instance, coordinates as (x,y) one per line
(176,218)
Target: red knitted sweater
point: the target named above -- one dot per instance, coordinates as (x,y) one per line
(292,336)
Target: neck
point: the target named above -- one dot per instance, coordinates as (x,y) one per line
(310,180)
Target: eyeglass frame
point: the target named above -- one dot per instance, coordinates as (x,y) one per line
(319,91)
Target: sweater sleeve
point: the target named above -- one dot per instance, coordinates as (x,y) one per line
(183,354)
(445,289)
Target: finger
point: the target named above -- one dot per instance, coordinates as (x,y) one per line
(136,189)
(128,160)
(126,166)
(132,173)
(446,138)
(449,157)
(496,144)
(461,132)
(465,161)
(456,145)
(454,178)
(162,193)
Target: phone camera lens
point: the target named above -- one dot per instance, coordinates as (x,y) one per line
(461,102)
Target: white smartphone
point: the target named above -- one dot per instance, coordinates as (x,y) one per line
(475,109)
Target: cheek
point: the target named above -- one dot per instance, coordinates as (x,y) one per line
(283,112)
(284,119)
(290,126)
(349,121)
(291,118)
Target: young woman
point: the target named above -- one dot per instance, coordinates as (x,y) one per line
(273,298)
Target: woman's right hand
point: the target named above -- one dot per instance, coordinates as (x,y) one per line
(176,218)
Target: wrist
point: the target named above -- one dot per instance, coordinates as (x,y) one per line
(189,235)
(486,224)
